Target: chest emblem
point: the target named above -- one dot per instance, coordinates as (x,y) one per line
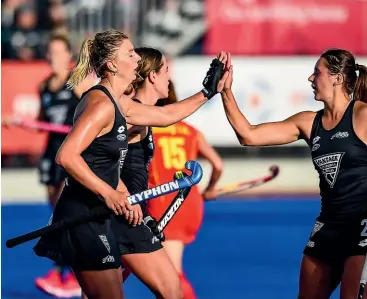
(329,166)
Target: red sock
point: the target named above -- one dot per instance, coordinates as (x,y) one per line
(187,289)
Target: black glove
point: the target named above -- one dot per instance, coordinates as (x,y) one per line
(153,225)
(212,78)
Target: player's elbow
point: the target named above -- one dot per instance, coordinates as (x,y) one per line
(247,138)
(218,165)
(60,158)
(63,158)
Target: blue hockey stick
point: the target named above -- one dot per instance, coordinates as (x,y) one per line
(166,188)
(103,211)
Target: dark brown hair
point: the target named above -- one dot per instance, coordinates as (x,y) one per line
(94,55)
(151,60)
(342,61)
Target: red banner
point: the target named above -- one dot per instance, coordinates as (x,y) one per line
(281,27)
(19,96)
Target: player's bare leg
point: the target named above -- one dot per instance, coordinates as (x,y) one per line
(317,279)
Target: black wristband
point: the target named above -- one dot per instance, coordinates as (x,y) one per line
(206,93)
(212,78)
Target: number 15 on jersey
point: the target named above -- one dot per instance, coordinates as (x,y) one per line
(173,152)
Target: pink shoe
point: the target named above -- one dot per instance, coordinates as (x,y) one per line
(71,286)
(51,283)
(54,285)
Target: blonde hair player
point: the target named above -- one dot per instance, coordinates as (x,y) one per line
(93,155)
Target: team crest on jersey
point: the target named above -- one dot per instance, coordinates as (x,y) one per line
(329,165)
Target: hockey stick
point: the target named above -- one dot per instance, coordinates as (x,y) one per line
(103,211)
(45,126)
(42,126)
(233,188)
(363,281)
(168,214)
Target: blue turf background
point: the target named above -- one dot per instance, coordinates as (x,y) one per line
(246,249)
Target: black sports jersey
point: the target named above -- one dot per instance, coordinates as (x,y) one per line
(134,174)
(57,106)
(135,171)
(340,158)
(106,154)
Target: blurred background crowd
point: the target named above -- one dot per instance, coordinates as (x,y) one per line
(27,24)
(265,37)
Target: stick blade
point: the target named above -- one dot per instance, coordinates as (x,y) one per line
(274,170)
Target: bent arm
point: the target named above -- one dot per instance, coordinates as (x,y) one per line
(95,117)
(272,133)
(144,115)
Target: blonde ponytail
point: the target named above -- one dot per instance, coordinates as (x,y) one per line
(84,66)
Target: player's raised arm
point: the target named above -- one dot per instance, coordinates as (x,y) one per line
(139,114)
(272,133)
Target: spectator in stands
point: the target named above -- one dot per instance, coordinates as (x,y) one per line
(8,9)
(171,15)
(58,18)
(23,39)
